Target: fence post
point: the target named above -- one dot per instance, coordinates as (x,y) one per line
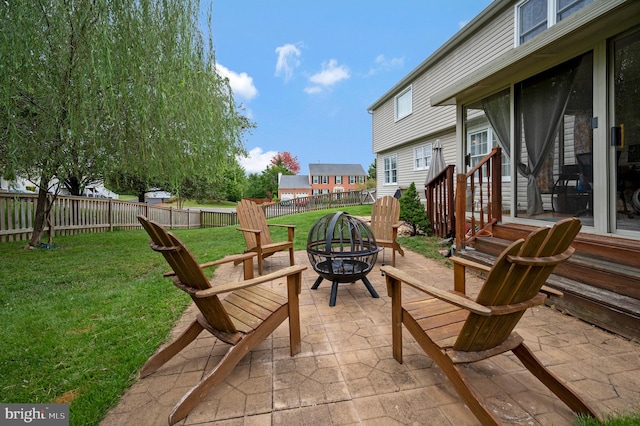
(110,214)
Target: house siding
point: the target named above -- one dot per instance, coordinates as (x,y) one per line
(406,172)
(495,38)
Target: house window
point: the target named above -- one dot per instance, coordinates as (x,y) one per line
(338,180)
(404,103)
(324,179)
(422,157)
(315,179)
(352,180)
(478,145)
(360,179)
(391,169)
(535,16)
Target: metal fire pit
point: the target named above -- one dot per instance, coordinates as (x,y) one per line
(342,249)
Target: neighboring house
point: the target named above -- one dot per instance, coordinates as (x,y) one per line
(555,85)
(25,186)
(333,178)
(322,179)
(293,186)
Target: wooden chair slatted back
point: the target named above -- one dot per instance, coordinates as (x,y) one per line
(251,216)
(510,283)
(189,276)
(385,213)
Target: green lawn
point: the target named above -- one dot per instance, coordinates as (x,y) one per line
(80,319)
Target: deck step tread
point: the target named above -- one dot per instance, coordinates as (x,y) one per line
(602,296)
(582,260)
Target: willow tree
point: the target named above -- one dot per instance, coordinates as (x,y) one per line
(98,88)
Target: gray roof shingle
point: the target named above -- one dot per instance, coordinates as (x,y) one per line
(336,170)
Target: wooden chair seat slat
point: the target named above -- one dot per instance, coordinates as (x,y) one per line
(429,307)
(269,294)
(240,314)
(442,320)
(245,300)
(468,331)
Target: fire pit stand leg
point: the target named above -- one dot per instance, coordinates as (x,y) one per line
(334,294)
(316,284)
(372,290)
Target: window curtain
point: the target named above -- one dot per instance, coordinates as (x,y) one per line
(541,103)
(497,109)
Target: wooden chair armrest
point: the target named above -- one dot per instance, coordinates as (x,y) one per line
(536,300)
(459,269)
(255,231)
(542,261)
(469,263)
(453,298)
(232,258)
(551,291)
(225,288)
(281,225)
(291,229)
(397,225)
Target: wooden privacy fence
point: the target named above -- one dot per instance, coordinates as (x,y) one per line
(75,215)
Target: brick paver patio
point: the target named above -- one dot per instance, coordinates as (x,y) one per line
(346,374)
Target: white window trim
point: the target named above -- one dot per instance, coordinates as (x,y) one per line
(395,103)
(422,147)
(384,171)
(552,17)
(490,145)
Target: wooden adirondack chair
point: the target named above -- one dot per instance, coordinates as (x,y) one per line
(454,329)
(385,221)
(254,227)
(243,319)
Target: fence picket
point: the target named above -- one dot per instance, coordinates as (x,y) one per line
(73,215)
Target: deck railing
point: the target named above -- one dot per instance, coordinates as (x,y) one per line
(76,215)
(479,198)
(440,202)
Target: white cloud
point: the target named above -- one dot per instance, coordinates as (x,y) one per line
(241,84)
(312,89)
(288,55)
(381,63)
(331,74)
(257,160)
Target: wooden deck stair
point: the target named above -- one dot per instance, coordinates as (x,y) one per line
(600,282)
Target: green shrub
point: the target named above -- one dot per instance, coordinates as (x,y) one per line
(413,212)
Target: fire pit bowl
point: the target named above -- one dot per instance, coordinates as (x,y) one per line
(342,249)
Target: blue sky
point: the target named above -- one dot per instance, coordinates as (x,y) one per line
(306,71)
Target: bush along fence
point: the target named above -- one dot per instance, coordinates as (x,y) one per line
(75,215)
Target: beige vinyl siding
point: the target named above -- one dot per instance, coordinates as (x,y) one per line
(406,171)
(492,40)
